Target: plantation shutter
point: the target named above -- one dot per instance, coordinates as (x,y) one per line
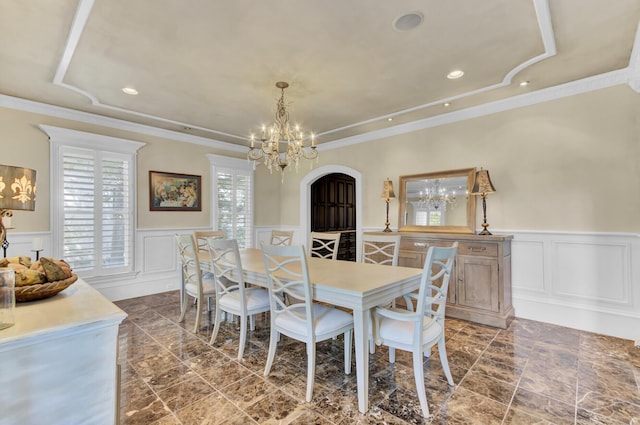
(79,221)
(93,192)
(115,214)
(234,205)
(98,213)
(421,218)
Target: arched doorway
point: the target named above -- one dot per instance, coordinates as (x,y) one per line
(305,198)
(333,209)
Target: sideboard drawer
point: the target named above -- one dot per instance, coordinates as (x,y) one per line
(422,244)
(419,245)
(478,248)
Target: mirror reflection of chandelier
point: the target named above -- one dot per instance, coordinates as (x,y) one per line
(434,197)
(281,133)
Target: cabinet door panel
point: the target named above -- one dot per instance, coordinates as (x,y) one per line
(478,283)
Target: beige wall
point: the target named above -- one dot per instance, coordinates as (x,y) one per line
(268,196)
(570,164)
(24,144)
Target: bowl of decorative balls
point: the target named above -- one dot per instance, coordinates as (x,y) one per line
(41,279)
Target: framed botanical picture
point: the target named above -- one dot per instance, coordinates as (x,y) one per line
(174,192)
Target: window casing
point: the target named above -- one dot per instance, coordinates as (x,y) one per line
(93,193)
(232,198)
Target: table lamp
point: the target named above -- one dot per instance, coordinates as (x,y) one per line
(387,196)
(17,192)
(483,186)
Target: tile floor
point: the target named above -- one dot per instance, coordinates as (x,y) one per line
(531,373)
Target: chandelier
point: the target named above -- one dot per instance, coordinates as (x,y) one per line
(281,133)
(436,197)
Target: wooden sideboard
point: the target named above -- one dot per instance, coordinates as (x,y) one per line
(480,285)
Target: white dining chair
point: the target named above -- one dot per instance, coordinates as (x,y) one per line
(203,249)
(380,249)
(194,283)
(324,245)
(232,295)
(281,237)
(202,235)
(418,331)
(301,319)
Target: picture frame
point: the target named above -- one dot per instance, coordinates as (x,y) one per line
(174,192)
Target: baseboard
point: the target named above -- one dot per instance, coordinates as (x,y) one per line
(578,317)
(138,288)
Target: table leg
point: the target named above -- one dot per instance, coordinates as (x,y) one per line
(361,341)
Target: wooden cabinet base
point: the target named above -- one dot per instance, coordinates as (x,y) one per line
(480,285)
(484,318)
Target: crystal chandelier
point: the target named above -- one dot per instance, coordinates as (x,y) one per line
(281,133)
(436,197)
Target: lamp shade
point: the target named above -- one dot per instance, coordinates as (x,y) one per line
(387,190)
(17,188)
(483,183)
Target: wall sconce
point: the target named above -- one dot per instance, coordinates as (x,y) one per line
(483,186)
(17,192)
(387,196)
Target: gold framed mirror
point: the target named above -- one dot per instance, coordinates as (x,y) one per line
(438,202)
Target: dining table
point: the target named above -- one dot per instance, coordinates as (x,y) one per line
(358,287)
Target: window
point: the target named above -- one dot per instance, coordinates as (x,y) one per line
(93,192)
(425,217)
(435,218)
(421,217)
(232,198)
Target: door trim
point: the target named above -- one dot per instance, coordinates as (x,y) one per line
(305,199)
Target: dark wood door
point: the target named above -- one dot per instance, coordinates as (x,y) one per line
(333,208)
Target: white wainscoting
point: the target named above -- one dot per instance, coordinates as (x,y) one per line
(587,281)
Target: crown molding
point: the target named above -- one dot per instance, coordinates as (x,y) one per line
(597,82)
(89,118)
(630,76)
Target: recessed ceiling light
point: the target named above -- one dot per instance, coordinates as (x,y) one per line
(389,119)
(455,74)
(524,83)
(130,90)
(408,21)
(446,104)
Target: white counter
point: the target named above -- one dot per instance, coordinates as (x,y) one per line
(58,362)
